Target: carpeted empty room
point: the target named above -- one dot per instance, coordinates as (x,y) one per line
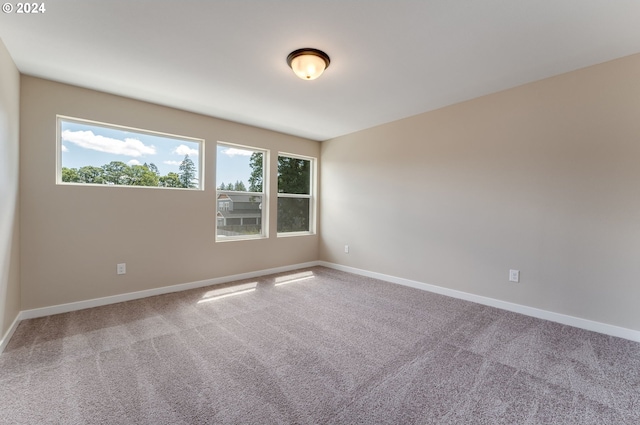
(320,213)
(313,346)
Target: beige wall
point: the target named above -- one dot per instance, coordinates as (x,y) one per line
(544,178)
(73,236)
(9,186)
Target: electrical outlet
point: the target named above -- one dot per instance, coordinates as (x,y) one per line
(514,276)
(346,249)
(121,268)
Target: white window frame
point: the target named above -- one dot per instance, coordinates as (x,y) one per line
(264,234)
(313,190)
(61,118)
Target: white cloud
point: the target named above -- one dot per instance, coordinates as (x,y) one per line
(236,151)
(185,150)
(134,162)
(172,162)
(65,149)
(88,140)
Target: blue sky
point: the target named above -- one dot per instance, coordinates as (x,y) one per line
(90,144)
(233,165)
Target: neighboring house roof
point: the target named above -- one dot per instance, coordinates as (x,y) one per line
(240,197)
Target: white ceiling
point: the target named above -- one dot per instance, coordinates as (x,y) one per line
(389,59)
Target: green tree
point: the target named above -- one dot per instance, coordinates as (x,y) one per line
(117,172)
(222,186)
(152,167)
(294,175)
(170,180)
(141,175)
(188,177)
(70,175)
(257,176)
(239,186)
(91,174)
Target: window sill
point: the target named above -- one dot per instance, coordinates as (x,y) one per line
(292,234)
(239,238)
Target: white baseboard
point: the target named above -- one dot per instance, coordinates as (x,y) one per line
(590,325)
(564,319)
(97,302)
(7,336)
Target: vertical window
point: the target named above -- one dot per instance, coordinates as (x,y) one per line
(296,200)
(106,154)
(241,201)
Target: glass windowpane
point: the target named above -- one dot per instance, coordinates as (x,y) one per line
(293,214)
(103,154)
(240,215)
(294,175)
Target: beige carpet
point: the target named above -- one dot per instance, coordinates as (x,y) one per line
(314,346)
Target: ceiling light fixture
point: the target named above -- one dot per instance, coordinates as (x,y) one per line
(308,63)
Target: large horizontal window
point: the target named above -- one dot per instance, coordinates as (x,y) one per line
(106,154)
(241,204)
(296,198)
